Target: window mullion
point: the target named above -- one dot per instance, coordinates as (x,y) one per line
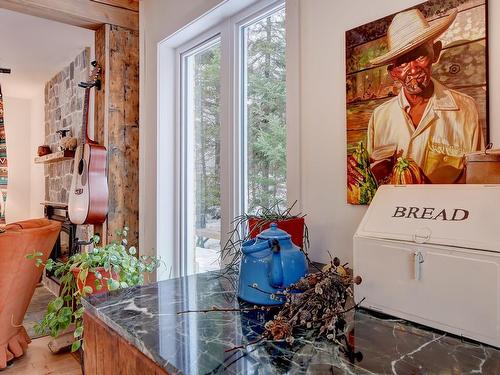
(242,118)
(227,150)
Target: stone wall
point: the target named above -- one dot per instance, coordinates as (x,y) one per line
(64,110)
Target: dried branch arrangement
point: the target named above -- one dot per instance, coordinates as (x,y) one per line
(316,302)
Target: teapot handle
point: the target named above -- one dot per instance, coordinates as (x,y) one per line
(251,246)
(276,265)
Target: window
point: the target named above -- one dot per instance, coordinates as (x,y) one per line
(201,156)
(264,93)
(231,121)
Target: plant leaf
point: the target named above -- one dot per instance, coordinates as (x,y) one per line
(78,313)
(83,274)
(56,304)
(76,345)
(78,332)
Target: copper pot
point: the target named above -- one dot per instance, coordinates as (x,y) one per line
(44,150)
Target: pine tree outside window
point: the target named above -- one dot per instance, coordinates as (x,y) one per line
(264,80)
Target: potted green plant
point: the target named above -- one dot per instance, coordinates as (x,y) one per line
(248,226)
(104,268)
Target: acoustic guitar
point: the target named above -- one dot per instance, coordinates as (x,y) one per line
(88,197)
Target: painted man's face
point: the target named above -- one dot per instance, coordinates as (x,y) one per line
(414,69)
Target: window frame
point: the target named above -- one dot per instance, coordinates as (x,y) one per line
(185,144)
(233,167)
(198,44)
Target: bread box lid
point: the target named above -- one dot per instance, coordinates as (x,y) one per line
(465,216)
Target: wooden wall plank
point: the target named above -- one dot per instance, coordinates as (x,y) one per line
(81,13)
(117,124)
(469,24)
(124,132)
(358,114)
(462,65)
(458,67)
(353,137)
(375,83)
(125,4)
(431,9)
(358,58)
(100,104)
(101,56)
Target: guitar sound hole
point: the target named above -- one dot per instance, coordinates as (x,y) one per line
(80,166)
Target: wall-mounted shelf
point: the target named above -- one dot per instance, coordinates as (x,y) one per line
(54,204)
(55,157)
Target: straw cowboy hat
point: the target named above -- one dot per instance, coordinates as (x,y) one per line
(409,30)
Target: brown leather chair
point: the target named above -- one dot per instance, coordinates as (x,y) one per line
(18,279)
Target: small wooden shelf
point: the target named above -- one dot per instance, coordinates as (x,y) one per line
(55,157)
(54,204)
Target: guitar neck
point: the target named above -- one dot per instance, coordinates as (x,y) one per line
(85,119)
(93,81)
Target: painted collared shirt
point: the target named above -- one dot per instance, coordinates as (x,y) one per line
(449,128)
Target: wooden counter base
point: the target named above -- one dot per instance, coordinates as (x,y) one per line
(106,353)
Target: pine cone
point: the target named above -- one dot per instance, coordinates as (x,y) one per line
(279,329)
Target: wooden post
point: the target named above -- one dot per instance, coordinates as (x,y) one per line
(116,125)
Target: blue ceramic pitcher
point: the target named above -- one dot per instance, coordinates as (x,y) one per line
(269,263)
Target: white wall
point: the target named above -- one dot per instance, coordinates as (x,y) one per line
(17,133)
(322,27)
(24,127)
(158,20)
(37,138)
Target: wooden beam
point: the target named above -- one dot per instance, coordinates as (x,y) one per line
(82,13)
(125,4)
(116,126)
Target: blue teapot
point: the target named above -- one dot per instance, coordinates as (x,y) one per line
(269,263)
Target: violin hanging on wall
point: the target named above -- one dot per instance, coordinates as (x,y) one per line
(88,197)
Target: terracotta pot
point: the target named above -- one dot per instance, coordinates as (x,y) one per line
(90,281)
(294,227)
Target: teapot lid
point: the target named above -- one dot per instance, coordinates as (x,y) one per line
(274,233)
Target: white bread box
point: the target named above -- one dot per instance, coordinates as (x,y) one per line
(431,254)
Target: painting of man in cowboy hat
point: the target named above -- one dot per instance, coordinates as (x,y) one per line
(426,123)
